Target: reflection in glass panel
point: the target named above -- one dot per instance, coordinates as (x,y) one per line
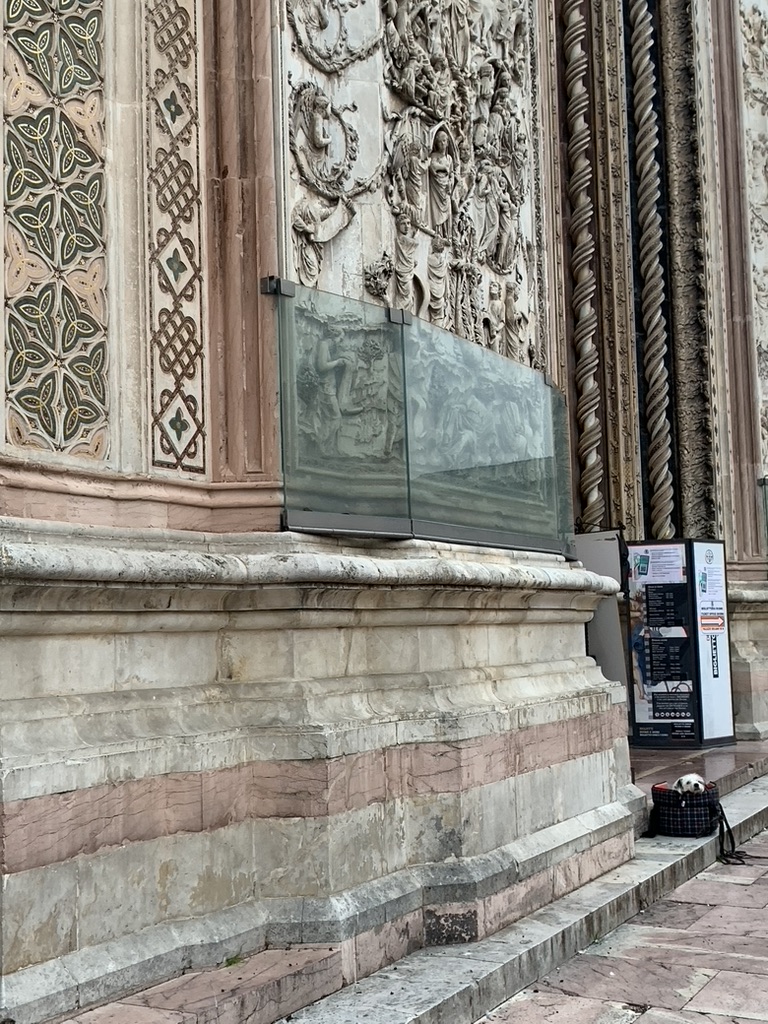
(482,448)
(342,407)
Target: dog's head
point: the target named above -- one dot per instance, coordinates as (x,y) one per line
(690,784)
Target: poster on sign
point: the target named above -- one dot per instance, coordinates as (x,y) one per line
(677,647)
(712,640)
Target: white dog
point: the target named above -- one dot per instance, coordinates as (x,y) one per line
(690,784)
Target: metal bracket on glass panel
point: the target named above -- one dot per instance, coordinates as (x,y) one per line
(399,316)
(278,286)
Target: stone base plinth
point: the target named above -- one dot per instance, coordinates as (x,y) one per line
(748,605)
(215,745)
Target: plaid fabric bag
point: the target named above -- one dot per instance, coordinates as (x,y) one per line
(693,815)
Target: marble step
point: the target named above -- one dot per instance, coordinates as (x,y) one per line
(259,989)
(460,984)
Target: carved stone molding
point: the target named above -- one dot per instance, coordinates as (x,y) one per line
(580,183)
(656,343)
(614,235)
(242,246)
(743,515)
(686,168)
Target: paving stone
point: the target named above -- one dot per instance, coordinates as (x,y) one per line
(123,1013)
(733,993)
(668,914)
(625,981)
(721,893)
(548,1008)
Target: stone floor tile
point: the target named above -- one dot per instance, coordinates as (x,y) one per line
(668,914)
(124,1013)
(702,959)
(654,1016)
(627,981)
(742,945)
(744,874)
(530,1007)
(743,921)
(669,947)
(740,994)
(720,894)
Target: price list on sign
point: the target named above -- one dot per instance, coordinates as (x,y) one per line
(667,604)
(668,656)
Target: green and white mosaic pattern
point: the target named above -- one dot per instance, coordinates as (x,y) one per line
(55,338)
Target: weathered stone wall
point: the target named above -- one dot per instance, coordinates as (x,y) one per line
(212,746)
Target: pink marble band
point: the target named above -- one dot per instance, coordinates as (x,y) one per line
(49,829)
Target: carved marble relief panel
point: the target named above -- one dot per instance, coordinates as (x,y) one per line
(755,63)
(174,235)
(408,160)
(56,395)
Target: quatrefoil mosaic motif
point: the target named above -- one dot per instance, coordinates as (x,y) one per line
(175,291)
(55,249)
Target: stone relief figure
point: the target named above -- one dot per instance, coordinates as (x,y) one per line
(437,271)
(487,208)
(506,242)
(515,322)
(441,183)
(456,13)
(325,145)
(315,222)
(406,246)
(440,95)
(333,387)
(305,221)
(317,132)
(484,95)
(464,263)
(496,318)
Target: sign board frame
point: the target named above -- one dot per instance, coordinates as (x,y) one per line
(678,644)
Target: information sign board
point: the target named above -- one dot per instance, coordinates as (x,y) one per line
(678,648)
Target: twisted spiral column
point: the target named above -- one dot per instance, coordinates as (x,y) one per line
(652,299)
(585,318)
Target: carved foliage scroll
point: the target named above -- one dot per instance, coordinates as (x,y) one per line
(55,261)
(174,229)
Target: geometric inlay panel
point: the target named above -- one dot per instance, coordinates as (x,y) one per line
(174,232)
(55,250)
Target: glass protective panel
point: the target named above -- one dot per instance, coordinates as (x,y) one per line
(411,431)
(342,407)
(483,436)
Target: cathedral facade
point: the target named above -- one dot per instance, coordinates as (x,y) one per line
(326,323)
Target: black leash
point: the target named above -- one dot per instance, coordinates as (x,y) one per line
(732,855)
